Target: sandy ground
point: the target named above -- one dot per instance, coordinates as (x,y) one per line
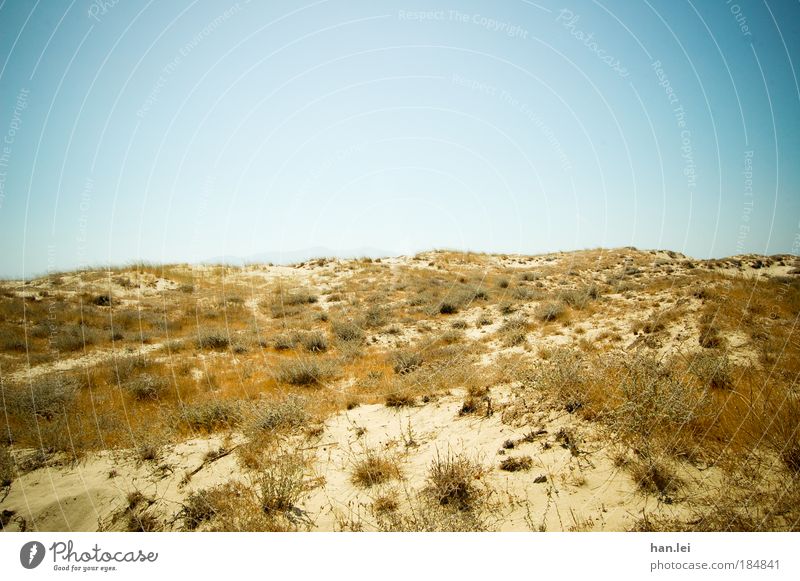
(562,490)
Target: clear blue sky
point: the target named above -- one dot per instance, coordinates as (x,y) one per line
(180,131)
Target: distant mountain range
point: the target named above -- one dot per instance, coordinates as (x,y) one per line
(295,256)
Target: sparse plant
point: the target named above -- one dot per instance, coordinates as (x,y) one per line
(399,398)
(288,413)
(314,341)
(210,415)
(374,468)
(654,475)
(385,504)
(281,483)
(549,311)
(283,342)
(303,372)
(710,337)
(213,339)
(375,317)
(197,509)
(405,361)
(516,463)
(44,397)
(146,387)
(451,481)
(713,370)
(7,469)
(348,331)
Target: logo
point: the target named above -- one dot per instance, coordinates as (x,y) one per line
(31,554)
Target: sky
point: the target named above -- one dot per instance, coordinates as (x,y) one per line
(182,131)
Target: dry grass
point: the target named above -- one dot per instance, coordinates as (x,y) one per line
(516,463)
(304,371)
(550,311)
(218,365)
(374,468)
(211,415)
(452,481)
(288,413)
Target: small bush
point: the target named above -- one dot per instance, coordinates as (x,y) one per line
(565,377)
(348,331)
(374,469)
(513,331)
(654,400)
(580,298)
(75,338)
(210,415)
(406,361)
(281,483)
(516,463)
(146,387)
(213,340)
(375,317)
(483,320)
(297,297)
(12,339)
(302,372)
(654,476)
(102,300)
(451,481)
(314,341)
(398,399)
(46,397)
(709,337)
(7,470)
(448,308)
(712,370)
(197,509)
(289,413)
(549,311)
(283,342)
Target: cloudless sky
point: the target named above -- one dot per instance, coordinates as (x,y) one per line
(182,131)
